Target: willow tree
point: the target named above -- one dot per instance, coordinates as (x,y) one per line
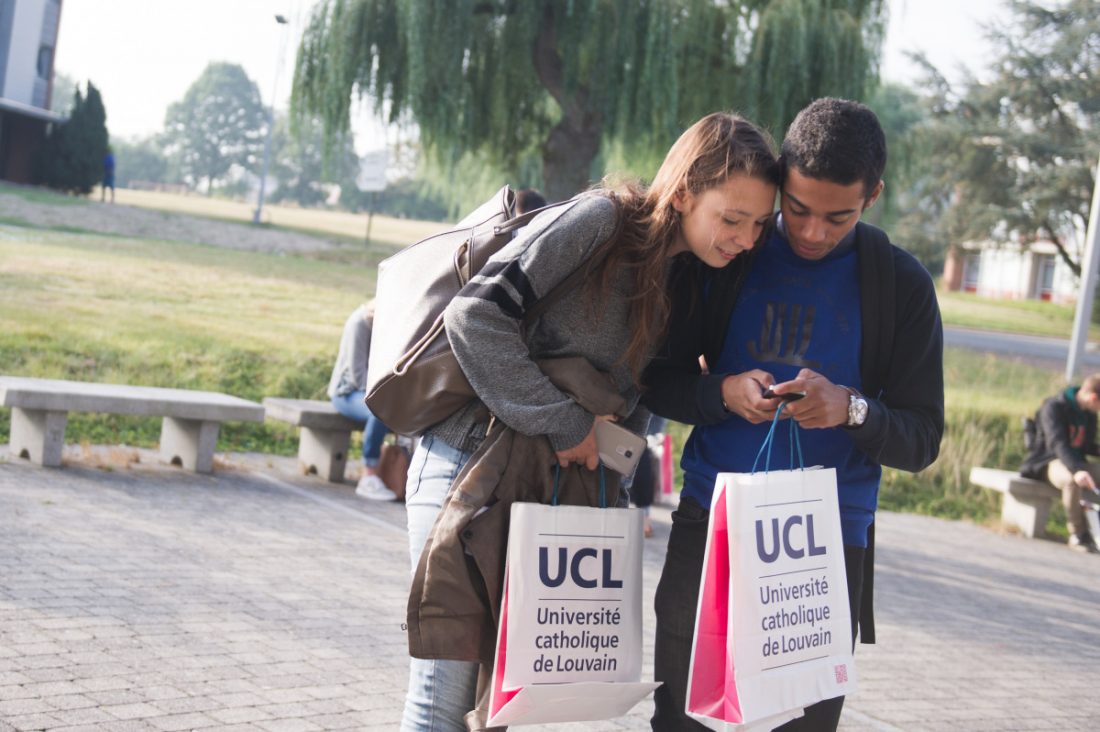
(565,77)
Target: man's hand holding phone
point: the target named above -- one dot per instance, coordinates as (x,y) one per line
(819,402)
(743,395)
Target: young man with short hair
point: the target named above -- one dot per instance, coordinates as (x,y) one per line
(1065,434)
(824,305)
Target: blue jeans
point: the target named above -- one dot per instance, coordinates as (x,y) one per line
(352,406)
(440,692)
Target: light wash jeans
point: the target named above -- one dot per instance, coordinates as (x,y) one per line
(440,692)
(352,406)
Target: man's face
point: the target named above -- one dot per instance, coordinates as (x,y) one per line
(1089,400)
(819,213)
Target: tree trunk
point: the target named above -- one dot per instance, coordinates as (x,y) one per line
(567,157)
(574,142)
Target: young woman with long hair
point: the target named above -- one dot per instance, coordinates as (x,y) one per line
(709,200)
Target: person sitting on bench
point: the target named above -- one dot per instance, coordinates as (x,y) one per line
(347,389)
(1065,434)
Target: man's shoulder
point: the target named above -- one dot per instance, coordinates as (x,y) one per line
(906,266)
(1056,407)
(1055,402)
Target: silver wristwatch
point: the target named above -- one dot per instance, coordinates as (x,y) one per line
(857,410)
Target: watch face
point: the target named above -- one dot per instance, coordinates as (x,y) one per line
(857,411)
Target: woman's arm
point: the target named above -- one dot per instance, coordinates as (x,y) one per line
(485,320)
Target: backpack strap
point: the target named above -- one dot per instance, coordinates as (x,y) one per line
(877,304)
(518,222)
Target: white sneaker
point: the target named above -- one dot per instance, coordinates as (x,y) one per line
(372,488)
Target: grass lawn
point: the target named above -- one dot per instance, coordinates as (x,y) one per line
(1033,317)
(342,224)
(97,308)
(959,309)
(139,311)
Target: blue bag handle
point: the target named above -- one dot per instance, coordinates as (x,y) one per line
(557,478)
(770,438)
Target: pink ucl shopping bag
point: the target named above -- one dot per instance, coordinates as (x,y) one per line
(569,643)
(773,628)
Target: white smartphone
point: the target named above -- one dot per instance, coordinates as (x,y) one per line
(619,448)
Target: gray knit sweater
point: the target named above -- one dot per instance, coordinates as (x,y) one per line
(484,323)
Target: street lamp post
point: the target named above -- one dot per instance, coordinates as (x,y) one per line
(1083,316)
(281,20)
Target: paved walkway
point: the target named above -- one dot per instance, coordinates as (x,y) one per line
(147,598)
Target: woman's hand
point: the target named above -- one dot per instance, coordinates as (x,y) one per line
(585,453)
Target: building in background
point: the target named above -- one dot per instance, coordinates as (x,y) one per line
(1035,272)
(28,42)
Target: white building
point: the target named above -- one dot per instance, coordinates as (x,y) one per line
(1011,272)
(28,42)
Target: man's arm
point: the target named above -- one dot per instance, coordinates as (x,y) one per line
(904,423)
(674,382)
(676,385)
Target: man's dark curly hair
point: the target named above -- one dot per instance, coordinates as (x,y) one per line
(836,140)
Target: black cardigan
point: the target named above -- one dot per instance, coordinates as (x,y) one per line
(901,360)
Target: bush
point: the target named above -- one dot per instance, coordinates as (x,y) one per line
(943,489)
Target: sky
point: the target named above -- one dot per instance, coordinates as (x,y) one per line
(144,54)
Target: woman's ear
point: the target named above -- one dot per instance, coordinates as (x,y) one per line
(681,201)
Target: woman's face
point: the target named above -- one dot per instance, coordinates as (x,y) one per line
(721,222)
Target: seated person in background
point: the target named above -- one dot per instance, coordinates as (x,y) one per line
(347,389)
(1065,432)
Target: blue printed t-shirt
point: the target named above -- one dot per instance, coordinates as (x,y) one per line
(792,313)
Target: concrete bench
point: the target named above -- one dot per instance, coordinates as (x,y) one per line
(1026,502)
(324,434)
(189,432)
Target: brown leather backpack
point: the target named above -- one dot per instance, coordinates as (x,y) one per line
(413,378)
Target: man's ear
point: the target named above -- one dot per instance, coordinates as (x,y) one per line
(870,201)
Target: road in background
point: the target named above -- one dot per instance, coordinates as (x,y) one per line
(1029,347)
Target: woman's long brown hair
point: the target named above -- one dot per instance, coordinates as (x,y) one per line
(706,155)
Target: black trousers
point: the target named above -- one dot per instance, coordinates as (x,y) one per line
(675,604)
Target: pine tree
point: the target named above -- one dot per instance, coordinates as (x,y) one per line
(1011,157)
(71,157)
(564,78)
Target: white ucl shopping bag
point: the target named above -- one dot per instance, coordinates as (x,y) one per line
(569,643)
(773,630)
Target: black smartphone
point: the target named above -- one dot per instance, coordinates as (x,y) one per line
(791,396)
